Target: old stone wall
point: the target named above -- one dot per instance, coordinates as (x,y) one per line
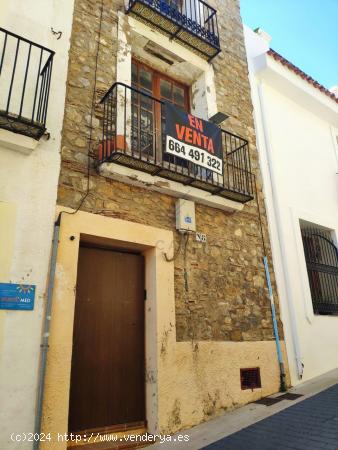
(220,286)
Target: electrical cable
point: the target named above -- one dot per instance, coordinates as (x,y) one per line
(186,284)
(52,270)
(259,216)
(91,123)
(175,255)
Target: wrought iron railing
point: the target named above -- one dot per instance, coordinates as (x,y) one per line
(25,76)
(134,135)
(193,22)
(321,256)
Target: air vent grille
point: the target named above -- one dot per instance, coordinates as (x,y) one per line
(250,378)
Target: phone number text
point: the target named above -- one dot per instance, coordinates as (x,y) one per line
(194,155)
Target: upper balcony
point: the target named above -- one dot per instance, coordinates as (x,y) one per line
(25,75)
(134,135)
(193,23)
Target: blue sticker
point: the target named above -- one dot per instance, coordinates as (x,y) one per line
(187,219)
(17,296)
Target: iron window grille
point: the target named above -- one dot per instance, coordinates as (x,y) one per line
(25,76)
(133,135)
(193,23)
(321,255)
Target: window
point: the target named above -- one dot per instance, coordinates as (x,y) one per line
(159,85)
(321,255)
(148,118)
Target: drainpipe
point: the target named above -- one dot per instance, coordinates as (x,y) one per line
(45,334)
(275,326)
(282,386)
(281,242)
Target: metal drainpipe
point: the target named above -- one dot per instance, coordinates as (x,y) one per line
(282,386)
(45,334)
(275,326)
(281,243)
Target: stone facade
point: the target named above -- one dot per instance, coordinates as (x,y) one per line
(220,286)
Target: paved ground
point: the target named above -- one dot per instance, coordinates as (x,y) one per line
(309,425)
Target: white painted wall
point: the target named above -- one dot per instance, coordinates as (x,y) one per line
(28,184)
(296,127)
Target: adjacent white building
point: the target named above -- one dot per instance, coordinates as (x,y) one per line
(34,44)
(297,130)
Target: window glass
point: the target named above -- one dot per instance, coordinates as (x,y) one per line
(158,86)
(134,73)
(178,95)
(165,89)
(146,81)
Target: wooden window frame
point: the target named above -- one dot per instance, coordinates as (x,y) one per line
(157,76)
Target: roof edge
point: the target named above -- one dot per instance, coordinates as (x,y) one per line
(277,57)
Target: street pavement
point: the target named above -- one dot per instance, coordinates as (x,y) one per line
(311,424)
(308,422)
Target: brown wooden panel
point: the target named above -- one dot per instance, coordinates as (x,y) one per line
(107,379)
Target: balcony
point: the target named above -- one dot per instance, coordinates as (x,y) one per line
(134,136)
(25,75)
(193,23)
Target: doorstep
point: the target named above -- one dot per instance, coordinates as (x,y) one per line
(115,438)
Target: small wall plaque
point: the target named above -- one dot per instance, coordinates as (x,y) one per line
(201,237)
(17,296)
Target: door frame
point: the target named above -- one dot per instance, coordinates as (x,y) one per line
(159,311)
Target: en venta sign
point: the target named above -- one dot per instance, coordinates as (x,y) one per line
(193,139)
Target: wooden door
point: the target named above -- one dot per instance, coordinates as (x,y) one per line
(107,378)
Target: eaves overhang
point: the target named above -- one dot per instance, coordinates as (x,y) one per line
(288,83)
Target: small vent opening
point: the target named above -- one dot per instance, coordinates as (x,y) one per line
(250,378)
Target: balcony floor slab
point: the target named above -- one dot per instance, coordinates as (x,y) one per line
(152,14)
(17,142)
(168,187)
